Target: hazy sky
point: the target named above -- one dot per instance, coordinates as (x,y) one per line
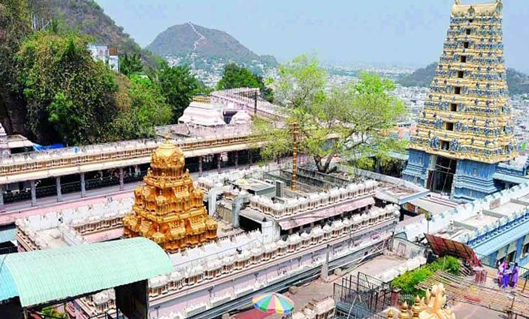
(403,32)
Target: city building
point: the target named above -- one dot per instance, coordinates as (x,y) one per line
(107,55)
(465,129)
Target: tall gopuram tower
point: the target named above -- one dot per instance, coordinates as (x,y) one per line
(168,209)
(465,128)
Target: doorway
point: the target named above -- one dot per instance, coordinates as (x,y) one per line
(441,177)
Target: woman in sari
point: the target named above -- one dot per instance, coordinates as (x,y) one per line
(515,274)
(501,268)
(506,277)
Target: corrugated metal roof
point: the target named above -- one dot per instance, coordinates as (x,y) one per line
(502,240)
(55,274)
(7,284)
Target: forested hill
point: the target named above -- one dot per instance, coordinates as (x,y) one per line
(191,39)
(87,17)
(518,82)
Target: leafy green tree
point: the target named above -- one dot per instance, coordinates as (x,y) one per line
(15,25)
(130,64)
(235,76)
(142,108)
(178,86)
(342,121)
(69,95)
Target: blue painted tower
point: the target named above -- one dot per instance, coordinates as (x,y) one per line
(465,128)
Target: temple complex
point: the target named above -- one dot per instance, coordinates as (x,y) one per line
(465,129)
(168,209)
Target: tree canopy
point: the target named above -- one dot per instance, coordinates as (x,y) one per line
(66,90)
(178,86)
(74,99)
(333,120)
(130,64)
(235,76)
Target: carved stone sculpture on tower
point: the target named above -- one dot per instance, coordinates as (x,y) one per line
(168,209)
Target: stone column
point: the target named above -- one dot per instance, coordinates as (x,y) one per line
(236,159)
(121,179)
(33,193)
(1,195)
(200,159)
(83,186)
(59,190)
(218,162)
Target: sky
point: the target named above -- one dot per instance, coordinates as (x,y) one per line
(380,32)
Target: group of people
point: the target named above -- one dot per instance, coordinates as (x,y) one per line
(508,274)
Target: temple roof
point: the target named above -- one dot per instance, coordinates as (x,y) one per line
(480,9)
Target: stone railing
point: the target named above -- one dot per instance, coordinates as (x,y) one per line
(295,206)
(214,266)
(74,156)
(72,224)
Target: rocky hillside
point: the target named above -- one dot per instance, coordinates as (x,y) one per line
(87,17)
(189,39)
(518,82)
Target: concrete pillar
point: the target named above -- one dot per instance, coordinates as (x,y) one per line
(236,159)
(200,160)
(1,195)
(33,193)
(83,186)
(59,190)
(218,162)
(121,179)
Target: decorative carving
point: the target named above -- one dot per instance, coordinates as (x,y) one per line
(168,209)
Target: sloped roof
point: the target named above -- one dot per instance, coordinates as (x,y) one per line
(46,275)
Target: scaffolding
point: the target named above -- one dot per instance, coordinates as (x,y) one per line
(361,297)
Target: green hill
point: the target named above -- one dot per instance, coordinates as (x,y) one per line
(87,17)
(518,82)
(189,39)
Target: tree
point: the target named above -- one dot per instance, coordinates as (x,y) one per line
(178,86)
(343,121)
(235,76)
(15,25)
(69,95)
(130,64)
(142,108)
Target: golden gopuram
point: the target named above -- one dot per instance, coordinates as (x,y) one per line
(433,306)
(168,209)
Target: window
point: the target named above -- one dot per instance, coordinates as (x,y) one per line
(463,59)
(526,249)
(445,145)
(453,107)
(466,45)
(457,90)
(460,74)
(467,31)
(449,126)
(470,20)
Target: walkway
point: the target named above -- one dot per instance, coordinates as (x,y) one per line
(488,295)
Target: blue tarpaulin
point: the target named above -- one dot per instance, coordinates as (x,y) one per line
(38,147)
